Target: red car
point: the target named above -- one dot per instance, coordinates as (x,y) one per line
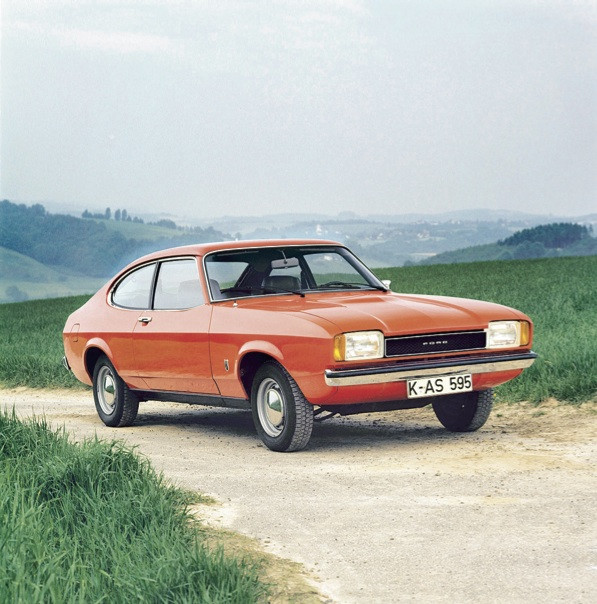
(292,330)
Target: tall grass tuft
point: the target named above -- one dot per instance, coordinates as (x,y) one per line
(560,296)
(94,523)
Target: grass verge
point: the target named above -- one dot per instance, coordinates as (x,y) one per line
(92,522)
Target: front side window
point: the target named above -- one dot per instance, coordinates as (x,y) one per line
(134,290)
(177,286)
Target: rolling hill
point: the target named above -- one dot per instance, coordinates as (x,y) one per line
(44,255)
(24,278)
(543,241)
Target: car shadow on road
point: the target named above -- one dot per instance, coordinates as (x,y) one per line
(354,432)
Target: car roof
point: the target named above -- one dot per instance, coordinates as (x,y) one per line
(201,249)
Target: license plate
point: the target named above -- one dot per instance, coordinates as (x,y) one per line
(435,386)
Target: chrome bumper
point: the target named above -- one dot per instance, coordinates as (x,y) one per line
(65,363)
(414,370)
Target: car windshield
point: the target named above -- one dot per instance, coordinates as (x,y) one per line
(281,270)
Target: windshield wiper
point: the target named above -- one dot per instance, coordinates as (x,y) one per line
(349,285)
(340,284)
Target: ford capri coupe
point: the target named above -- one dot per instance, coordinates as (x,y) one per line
(295,331)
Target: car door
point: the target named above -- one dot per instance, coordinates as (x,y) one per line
(171,339)
(129,297)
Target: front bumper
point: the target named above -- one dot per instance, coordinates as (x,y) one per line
(415,370)
(65,363)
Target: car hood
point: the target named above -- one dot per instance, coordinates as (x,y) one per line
(398,314)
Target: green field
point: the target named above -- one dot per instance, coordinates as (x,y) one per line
(92,522)
(559,294)
(31,343)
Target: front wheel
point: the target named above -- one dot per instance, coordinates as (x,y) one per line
(115,403)
(464,412)
(282,416)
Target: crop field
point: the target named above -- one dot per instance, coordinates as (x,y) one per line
(559,294)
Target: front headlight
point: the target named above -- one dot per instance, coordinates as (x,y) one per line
(506,334)
(358,346)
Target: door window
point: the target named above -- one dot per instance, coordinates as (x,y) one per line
(177,286)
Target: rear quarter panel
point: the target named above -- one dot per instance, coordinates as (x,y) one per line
(98,325)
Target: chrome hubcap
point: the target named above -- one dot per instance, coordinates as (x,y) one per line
(106,390)
(271,407)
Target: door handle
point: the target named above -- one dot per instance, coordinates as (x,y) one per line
(144,320)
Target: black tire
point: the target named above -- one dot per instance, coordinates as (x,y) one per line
(464,412)
(282,416)
(115,403)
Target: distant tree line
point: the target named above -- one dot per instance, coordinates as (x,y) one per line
(119,215)
(555,235)
(84,246)
(543,241)
(124,216)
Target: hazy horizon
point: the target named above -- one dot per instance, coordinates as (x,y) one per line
(207,109)
(55,207)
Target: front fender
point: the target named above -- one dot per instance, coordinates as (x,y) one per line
(261,346)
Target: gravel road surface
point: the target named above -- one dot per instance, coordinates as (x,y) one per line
(387,507)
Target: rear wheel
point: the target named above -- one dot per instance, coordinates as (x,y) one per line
(464,412)
(282,416)
(115,403)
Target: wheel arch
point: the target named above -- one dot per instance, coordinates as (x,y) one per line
(92,353)
(249,365)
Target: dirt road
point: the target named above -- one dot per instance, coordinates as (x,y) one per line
(388,507)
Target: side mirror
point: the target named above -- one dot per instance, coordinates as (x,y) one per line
(386,283)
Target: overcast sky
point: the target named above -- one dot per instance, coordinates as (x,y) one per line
(228,107)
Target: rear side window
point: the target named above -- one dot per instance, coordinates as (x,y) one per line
(177,285)
(134,291)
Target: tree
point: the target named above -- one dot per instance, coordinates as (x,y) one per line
(117,215)
(107,213)
(505,255)
(166,223)
(14,294)
(124,215)
(529,249)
